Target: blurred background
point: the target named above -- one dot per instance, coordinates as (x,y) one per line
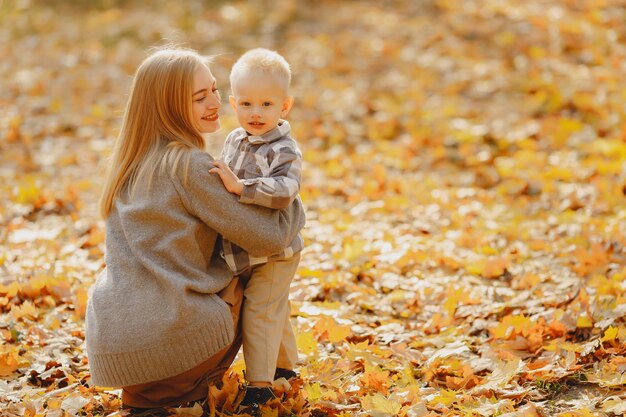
(465,171)
(409,84)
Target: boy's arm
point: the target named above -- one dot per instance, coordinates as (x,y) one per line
(255,229)
(281,186)
(231,182)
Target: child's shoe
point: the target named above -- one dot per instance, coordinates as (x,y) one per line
(254,398)
(284,373)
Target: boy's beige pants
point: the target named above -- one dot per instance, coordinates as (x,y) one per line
(268,340)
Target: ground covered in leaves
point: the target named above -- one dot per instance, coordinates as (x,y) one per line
(464,181)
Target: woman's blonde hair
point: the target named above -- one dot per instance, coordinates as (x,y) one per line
(158,125)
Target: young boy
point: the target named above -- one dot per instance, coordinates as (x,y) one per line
(261,163)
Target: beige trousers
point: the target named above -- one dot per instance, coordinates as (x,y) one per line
(268,339)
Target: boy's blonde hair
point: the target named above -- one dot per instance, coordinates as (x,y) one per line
(158,126)
(261,61)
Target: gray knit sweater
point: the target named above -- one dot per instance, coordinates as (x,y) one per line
(153,312)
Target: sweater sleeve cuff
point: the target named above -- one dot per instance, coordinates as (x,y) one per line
(248,194)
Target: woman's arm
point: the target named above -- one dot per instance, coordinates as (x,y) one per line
(256,229)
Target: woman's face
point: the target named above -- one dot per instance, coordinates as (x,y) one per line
(206,100)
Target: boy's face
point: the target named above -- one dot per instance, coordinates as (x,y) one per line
(259,102)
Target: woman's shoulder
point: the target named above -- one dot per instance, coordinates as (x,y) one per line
(193,177)
(192,160)
(200,156)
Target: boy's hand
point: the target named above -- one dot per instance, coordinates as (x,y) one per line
(230,180)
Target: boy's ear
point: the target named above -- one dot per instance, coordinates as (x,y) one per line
(287,104)
(233,102)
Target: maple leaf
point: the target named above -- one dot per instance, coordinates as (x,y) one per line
(501,375)
(327,327)
(9,360)
(26,310)
(73,403)
(614,404)
(378,405)
(376,380)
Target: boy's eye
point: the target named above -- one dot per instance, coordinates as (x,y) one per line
(267,103)
(245,103)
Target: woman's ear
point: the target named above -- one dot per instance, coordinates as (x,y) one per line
(287,104)
(233,102)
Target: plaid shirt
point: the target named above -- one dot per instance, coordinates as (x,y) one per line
(270,166)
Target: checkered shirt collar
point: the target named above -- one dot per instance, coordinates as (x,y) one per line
(279,131)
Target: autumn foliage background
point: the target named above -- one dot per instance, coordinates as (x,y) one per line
(465,172)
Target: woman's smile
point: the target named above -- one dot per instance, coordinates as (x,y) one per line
(211,117)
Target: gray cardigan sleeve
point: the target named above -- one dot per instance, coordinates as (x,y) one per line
(258,230)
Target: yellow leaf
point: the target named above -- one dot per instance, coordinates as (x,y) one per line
(353,249)
(583,412)
(97,111)
(238,366)
(512,325)
(610,334)
(28,193)
(488,268)
(506,38)
(10,290)
(53,403)
(446,397)
(32,289)
(313,391)
(379,173)
(9,360)
(555,345)
(537,52)
(27,309)
(80,303)
(584,322)
(379,406)
(306,343)
(336,333)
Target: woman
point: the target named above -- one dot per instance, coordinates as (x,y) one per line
(162,318)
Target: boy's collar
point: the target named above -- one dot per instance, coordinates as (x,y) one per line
(279,131)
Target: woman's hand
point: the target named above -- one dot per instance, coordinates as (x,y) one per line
(230,180)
